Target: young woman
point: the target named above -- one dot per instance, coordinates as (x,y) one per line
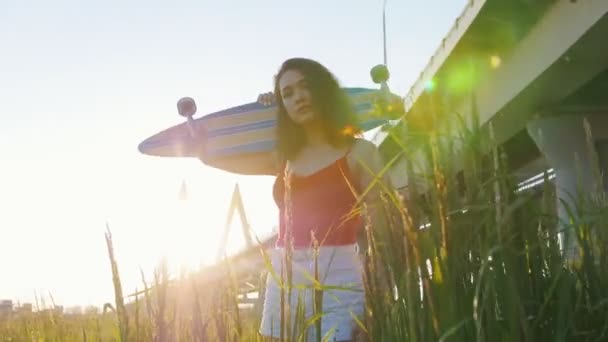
(325,175)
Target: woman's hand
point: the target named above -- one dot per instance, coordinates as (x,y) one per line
(267,99)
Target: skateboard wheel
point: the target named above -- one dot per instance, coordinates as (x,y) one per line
(379,73)
(186,106)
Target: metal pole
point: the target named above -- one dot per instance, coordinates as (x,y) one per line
(384,29)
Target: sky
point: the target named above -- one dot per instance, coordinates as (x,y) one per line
(83,83)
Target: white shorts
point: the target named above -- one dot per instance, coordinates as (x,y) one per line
(338,266)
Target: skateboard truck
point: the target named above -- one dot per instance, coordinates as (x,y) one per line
(380,75)
(386,102)
(186,107)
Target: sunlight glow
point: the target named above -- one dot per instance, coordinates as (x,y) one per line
(495,61)
(430,85)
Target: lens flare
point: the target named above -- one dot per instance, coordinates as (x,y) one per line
(495,61)
(348,131)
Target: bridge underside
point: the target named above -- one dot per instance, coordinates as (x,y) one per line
(519,60)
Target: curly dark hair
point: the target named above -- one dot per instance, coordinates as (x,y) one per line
(340,122)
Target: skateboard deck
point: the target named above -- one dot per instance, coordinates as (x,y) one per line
(241,139)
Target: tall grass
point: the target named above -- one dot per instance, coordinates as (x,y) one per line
(472,259)
(463,257)
(46,325)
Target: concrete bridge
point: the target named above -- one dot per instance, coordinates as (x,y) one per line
(533,70)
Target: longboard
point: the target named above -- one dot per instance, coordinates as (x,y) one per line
(242,139)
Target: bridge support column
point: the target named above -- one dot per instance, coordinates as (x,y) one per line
(562,140)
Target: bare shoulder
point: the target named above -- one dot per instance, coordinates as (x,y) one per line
(364,154)
(368,166)
(363,146)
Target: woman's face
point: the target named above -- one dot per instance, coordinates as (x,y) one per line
(296,97)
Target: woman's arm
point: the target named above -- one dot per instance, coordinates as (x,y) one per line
(369,168)
(375,185)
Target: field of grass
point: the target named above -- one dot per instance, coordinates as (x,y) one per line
(464,257)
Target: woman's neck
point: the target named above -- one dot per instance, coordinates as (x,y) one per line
(315,135)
